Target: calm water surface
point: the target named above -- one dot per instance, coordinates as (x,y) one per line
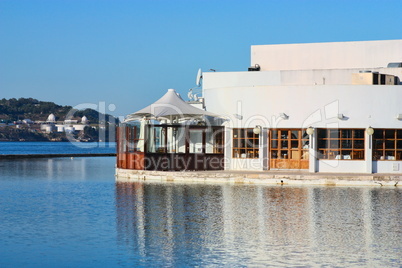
(71,213)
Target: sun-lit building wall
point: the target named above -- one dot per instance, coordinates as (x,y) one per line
(298,99)
(335,55)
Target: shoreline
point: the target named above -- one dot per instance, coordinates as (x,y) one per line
(260,177)
(22,156)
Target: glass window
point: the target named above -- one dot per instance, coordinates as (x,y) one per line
(387,144)
(345,144)
(274,144)
(290,144)
(295,134)
(334,133)
(175,139)
(399,134)
(130,138)
(359,134)
(245,143)
(295,144)
(346,134)
(389,133)
(274,134)
(196,141)
(157,139)
(215,141)
(135,138)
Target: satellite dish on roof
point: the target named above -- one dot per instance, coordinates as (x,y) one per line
(198,79)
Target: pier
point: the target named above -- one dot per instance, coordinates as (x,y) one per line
(22,156)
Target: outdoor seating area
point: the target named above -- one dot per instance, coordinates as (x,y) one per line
(170,135)
(170,147)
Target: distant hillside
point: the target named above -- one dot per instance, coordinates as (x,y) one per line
(28,108)
(13,127)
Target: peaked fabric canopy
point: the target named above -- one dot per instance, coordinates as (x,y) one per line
(169,106)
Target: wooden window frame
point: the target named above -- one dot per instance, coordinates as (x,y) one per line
(132,137)
(387,147)
(245,143)
(283,137)
(218,139)
(335,144)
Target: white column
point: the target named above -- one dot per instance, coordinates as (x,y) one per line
(368,152)
(228,148)
(264,148)
(313,152)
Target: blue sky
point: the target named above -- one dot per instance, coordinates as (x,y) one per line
(128,53)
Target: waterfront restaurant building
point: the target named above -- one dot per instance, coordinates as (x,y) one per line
(320,107)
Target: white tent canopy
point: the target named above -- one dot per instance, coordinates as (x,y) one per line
(171,105)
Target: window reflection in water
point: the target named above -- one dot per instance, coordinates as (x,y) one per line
(261,224)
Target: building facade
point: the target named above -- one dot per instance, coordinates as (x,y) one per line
(322,107)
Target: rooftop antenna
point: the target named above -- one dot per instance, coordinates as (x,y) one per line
(199,77)
(190,94)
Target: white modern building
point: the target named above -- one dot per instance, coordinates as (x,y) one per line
(348,95)
(321,107)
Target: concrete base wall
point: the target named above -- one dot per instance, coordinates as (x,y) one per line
(269,178)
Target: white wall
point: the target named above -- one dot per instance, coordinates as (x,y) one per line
(339,166)
(338,55)
(317,106)
(329,76)
(387,167)
(239,79)
(311,84)
(288,78)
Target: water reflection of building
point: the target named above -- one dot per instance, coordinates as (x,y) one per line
(153,216)
(258,225)
(360,223)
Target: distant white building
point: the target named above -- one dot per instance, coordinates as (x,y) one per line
(70,121)
(51,118)
(72,125)
(48,128)
(84,120)
(69,129)
(79,127)
(60,128)
(27,121)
